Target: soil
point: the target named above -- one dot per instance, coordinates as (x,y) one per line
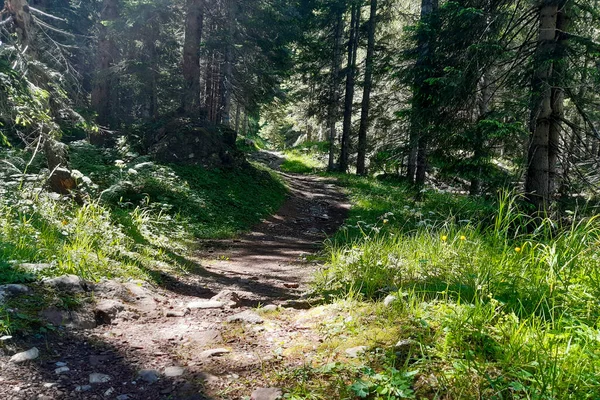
(271,265)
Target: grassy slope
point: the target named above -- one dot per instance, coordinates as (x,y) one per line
(139,217)
(487,307)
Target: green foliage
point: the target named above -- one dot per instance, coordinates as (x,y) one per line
(501,306)
(139,218)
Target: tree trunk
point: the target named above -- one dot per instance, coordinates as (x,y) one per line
(152,61)
(366,100)
(191,56)
(557,98)
(226,84)
(545,108)
(334,99)
(106,54)
(417,158)
(479,152)
(19,11)
(350,75)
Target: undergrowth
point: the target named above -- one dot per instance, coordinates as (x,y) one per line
(137,218)
(497,307)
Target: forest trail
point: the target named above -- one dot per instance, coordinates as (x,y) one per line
(200,334)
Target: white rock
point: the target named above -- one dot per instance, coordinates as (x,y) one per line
(246,316)
(28,355)
(205,304)
(389,299)
(174,371)
(61,370)
(213,352)
(354,352)
(99,378)
(266,394)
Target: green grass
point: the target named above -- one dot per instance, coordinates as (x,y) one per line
(302,161)
(500,308)
(138,218)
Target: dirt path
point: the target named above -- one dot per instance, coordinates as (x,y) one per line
(199,335)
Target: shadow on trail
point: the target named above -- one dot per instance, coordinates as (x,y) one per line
(83,355)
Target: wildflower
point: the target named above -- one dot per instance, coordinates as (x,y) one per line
(444,238)
(385,221)
(65,222)
(463,238)
(518,249)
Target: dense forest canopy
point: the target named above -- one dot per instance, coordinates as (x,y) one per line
(486,94)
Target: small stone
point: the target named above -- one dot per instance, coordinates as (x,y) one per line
(5,338)
(174,371)
(28,355)
(291,285)
(122,397)
(205,304)
(266,394)
(49,385)
(44,397)
(389,299)
(269,308)
(83,388)
(176,314)
(60,364)
(229,298)
(29,267)
(354,352)
(99,378)
(106,310)
(109,391)
(14,289)
(61,370)
(68,283)
(213,353)
(246,316)
(149,375)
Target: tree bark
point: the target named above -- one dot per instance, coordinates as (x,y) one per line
(106,54)
(546,108)
(349,97)
(417,159)
(19,11)
(191,56)
(366,99)
(334,99)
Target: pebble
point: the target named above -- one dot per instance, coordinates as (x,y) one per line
(28,355)
(205,304)
(174,371)
(213,353)
(389,299)
(149,375)
(60,364)
(109,391)
(61,370)
(5,338)
(266,394)
(354,352)
(83,388)
(176,314)
(99,378)
(49,385)
(269,308)
(122,397)
(246,316)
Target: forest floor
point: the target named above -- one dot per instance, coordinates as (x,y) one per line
(222,330)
